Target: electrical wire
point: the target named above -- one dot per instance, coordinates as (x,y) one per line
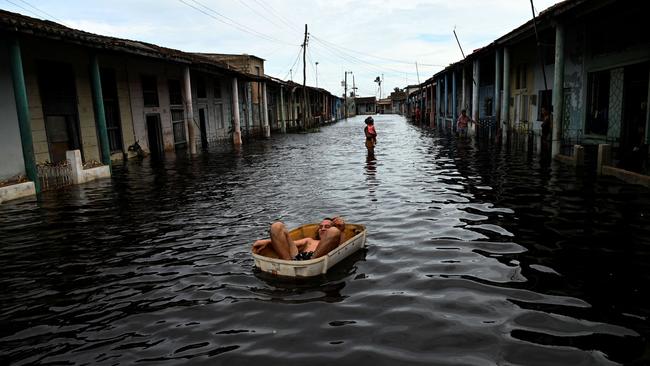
(258,13)
(372,56)
(357,61)
(47,15)
(277,14)
(294,63)
(230,22)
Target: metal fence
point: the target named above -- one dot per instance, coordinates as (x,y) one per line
(55,175)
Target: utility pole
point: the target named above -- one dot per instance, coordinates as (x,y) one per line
(354,86)
(304,80)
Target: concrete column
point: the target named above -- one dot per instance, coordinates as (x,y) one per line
(604,157)
(283,122)
(76,166)
(96,84)
(249,107)
(463,100)
(454,111)
(432,107)
(505,102)
(189,111)
(265,113)
(292,112)
(445,109)
(497,89)
(438,97)
(236,135)
(558,90)
(475,107)
(579,155)
(22,107)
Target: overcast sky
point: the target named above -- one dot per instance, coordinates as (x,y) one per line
(370,38)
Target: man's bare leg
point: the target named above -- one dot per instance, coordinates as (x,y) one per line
(328,242)
(281,242)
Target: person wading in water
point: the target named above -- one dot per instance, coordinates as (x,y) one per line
(371,135)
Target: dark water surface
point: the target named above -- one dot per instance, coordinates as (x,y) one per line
(475,256)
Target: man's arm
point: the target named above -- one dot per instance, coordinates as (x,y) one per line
(339,223)
(302,243)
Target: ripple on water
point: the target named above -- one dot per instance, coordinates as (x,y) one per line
(475,256)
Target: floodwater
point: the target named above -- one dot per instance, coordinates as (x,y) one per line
(475,256)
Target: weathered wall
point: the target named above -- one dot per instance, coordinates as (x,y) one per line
(119,65)
(590,48)
(217,108)
(575,80)
(136,67)
(78,58)
(10,145)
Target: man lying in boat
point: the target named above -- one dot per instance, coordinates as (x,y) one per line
(329,235)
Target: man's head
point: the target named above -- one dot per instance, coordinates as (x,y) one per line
(463,112)
(370,121)
(325,225)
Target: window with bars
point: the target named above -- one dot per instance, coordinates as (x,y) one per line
(217,88)
(523,111)
(598,93)
(111,109)
(175,94)
(200,88)
(178,125)
(219,115)
(149,90)
(520,81)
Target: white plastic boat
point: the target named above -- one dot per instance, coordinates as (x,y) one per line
(268,261)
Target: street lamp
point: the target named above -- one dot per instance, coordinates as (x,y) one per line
(317,74)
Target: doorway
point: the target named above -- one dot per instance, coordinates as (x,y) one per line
(154,135)
(204,128)
(59,98)
(635,97)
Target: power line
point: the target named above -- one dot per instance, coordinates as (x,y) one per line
(25,9)
(294,62)
(311,62)
(40,11)
(358,61)
(373,56)
(351,58)
(47,15)
(258,13)
(230,21)
(277,14)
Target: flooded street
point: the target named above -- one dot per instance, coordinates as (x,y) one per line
(475,256)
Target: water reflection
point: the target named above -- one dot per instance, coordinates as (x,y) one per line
(371,179)
(475,255)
